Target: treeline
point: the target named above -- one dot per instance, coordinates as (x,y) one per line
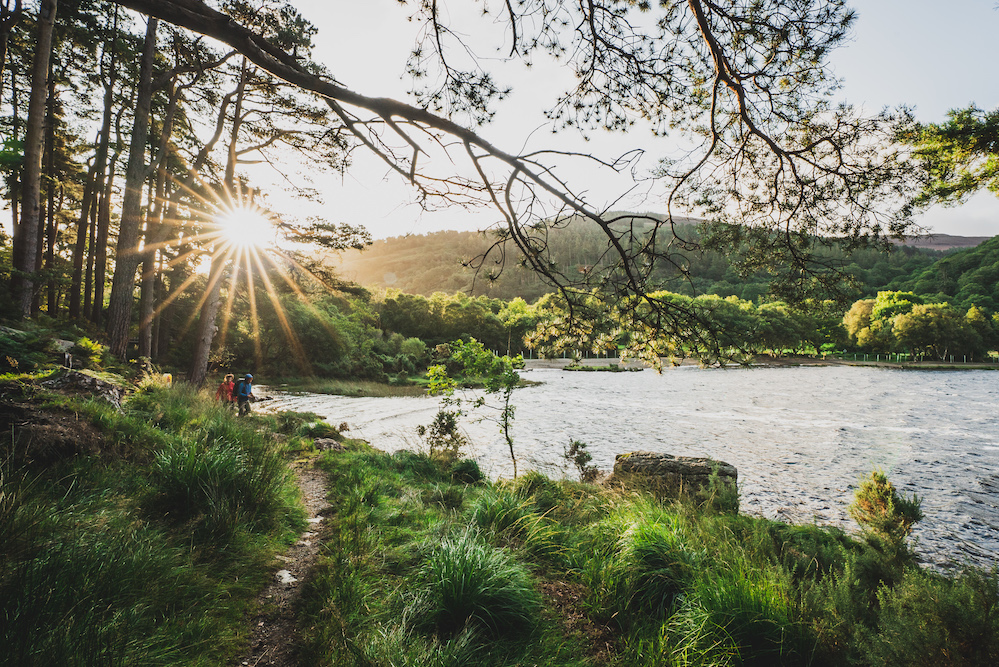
(445,261)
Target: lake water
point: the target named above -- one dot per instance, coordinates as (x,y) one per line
(800,437)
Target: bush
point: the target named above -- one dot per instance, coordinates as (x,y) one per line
(443,437)
(929,620)
(466,471)
(576,453)
(884,515)
(89,353)
(464,581)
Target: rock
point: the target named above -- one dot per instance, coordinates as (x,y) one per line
(323,444)
(671,475)
(89,384)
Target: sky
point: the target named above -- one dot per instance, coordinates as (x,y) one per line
(929,55)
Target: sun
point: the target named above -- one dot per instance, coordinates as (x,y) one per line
(246,227)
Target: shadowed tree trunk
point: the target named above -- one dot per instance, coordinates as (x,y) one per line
(155,229)
(80,248)
(27,232)
(127,256)
(9,16)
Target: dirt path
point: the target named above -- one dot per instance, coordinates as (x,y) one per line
(274,634)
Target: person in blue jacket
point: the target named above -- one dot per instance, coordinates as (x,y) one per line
(244,394)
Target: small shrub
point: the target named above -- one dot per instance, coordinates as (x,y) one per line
(720,496)
(576,453)
(465,581)
(444,437)
(882,513)
(929,620)
(88,352)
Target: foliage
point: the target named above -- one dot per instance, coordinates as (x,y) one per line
(422,264)
(959,156)
(89,353)
(965,278)
(443,437)
(497,374)
(21,351)
(576,453)
(884,515)
(146,557)
(897,321)
(667,583)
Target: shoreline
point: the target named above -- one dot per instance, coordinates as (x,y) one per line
(763,361)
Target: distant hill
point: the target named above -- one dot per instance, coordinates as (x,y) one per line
(943,241)
(428,263)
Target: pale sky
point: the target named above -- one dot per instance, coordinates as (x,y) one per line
(927,54)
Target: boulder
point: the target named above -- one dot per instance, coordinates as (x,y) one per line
(85,383)
(671,475)
(324,444)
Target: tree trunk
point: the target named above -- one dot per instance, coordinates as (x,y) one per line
(88,287)
(26,233)
(128,255)
(102,187)
(101,246)
(155,232)
(80,248)
(52,229)
(9,18)
(210,306)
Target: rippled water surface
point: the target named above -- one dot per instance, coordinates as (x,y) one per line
(800,437)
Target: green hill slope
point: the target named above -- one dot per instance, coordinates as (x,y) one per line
(964,277)
(437,262)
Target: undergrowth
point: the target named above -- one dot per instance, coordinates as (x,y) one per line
(152,555)
(421,569)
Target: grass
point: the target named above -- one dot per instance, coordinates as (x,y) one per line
(148,551)
(345,387)
(420,568)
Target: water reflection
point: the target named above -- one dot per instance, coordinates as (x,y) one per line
(799,436)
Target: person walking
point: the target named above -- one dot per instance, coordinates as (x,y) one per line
(226,391)
(244,394)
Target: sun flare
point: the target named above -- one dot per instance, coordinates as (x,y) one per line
(246,227)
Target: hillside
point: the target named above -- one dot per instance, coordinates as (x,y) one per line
(428,263)
(943,241)
(963,277)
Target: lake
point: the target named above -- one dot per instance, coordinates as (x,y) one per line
(800,436)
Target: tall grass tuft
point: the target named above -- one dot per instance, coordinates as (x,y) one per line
(100,594)
(224,486)
(659,565)
(464,581)
(741,616)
